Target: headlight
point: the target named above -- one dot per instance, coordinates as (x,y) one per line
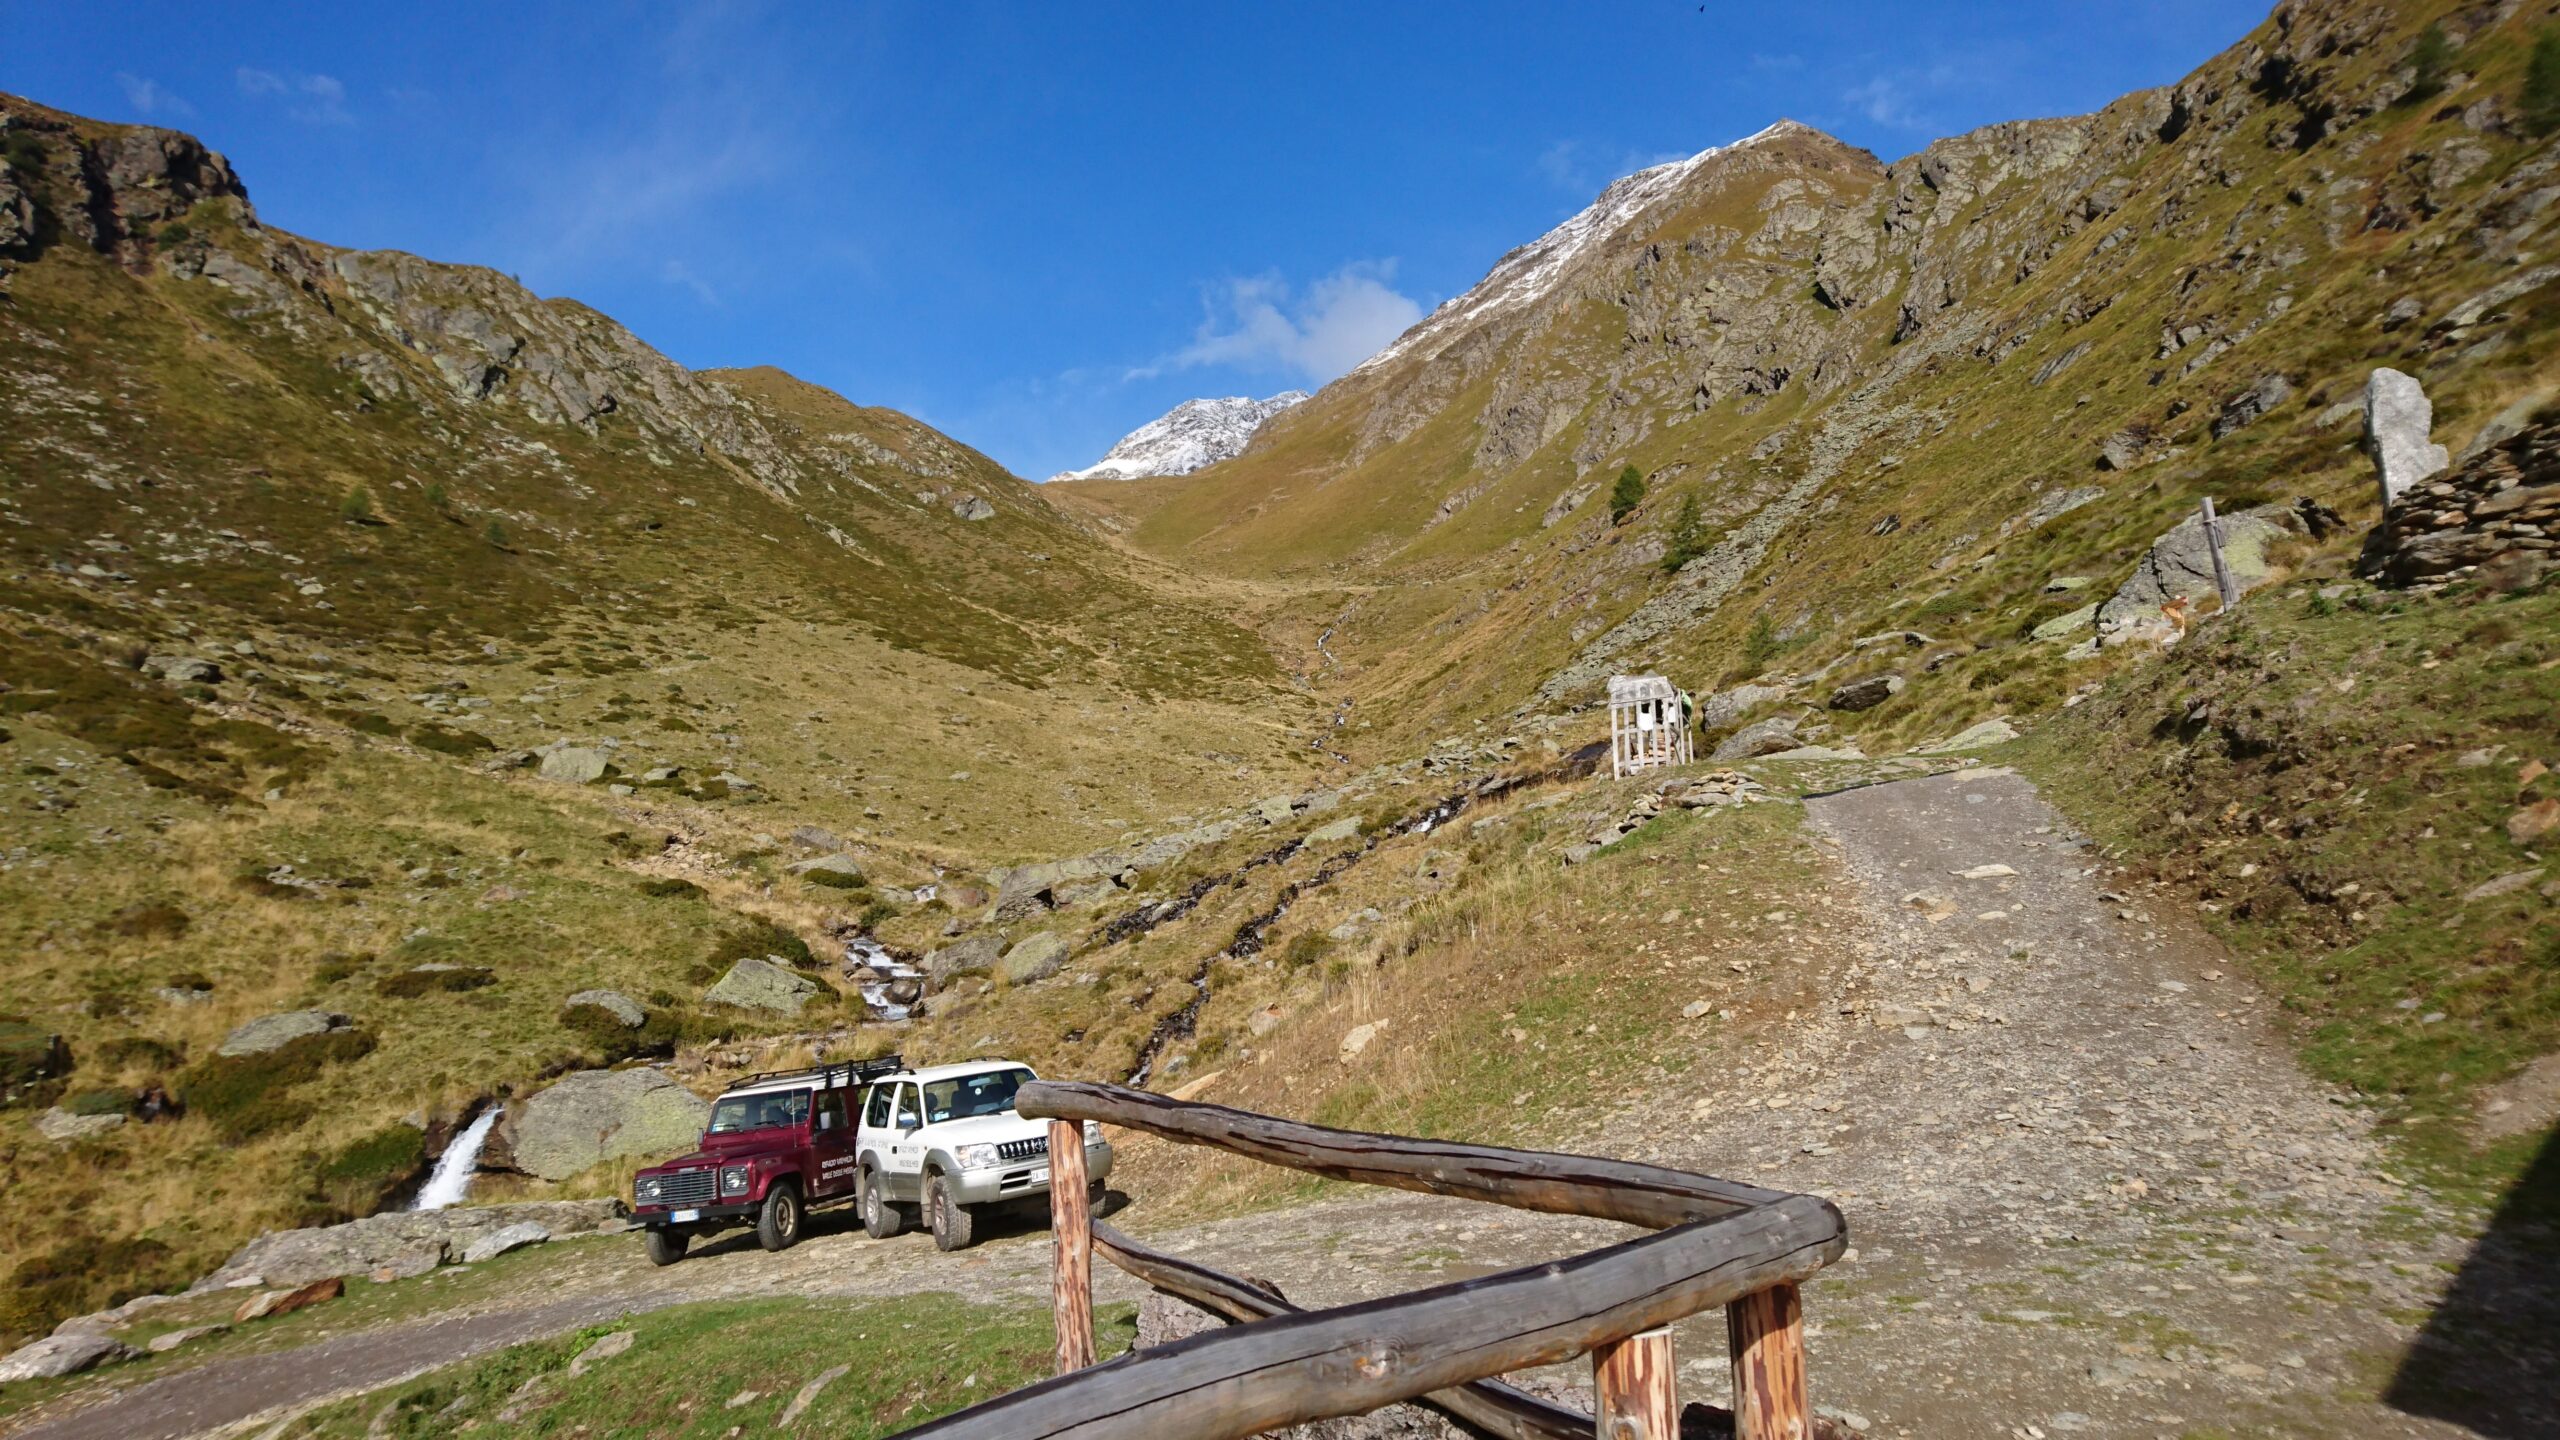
(1092,1132)
(649,1190)
(977,1157)
(733,1181)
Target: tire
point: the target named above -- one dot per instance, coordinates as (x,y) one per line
(955,1227)
(666,1246)
(882,1218)
(778,1223)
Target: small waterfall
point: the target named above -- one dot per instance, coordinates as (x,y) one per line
(865,951)
(451,1179)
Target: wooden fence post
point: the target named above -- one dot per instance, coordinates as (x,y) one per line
(1638,1393)
(1767,1330)
(2222,585)
(1071,1229)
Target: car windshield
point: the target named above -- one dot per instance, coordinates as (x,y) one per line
(989,1092)
(759,1112)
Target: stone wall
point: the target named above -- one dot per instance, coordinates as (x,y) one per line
(2499,512)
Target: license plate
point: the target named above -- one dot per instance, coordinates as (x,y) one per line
(1040,1176)
(683,1215)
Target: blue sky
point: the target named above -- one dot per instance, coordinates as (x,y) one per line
(1035,225)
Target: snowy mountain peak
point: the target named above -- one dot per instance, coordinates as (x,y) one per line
(1524,275)
(1190,435)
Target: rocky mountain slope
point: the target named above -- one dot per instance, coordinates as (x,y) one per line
(1190,436)
(1907,396)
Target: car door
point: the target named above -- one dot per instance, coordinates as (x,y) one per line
(831,1152)
(906,1152)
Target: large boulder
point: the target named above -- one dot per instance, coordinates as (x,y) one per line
(1726,706)
(2399,425)
(1028,890)
(1035,957)
(182,669)
(1761,737)
(574,765)
(975,952)
(57,1355)
(2179,567)
(64,1126)
(274,1032)
(506,1238)
(2249,405)
(591,1116)
(405,1242)
(625,1010)
(1866,694)
(754,984)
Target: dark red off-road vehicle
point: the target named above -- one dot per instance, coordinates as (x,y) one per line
(778,1146)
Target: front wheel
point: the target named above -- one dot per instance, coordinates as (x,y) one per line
(666,1247)
(954,1225)
(778,1224)
(882,1219)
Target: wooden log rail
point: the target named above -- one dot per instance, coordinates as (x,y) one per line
(1717,1243)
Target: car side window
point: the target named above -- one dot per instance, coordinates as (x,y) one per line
(831,1111)
(877,1116)
(908,1116)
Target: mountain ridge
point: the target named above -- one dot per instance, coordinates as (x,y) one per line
(1190,436)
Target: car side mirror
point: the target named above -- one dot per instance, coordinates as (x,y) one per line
(826,1121)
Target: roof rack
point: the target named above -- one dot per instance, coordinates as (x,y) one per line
(831,1077)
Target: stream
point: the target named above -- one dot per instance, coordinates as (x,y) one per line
(862,950)
(450,1181)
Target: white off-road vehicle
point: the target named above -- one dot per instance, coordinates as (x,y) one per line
(946,1141)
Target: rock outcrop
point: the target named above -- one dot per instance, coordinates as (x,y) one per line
(590,1116)
(754,984)
(2179,568)
(2399,425)
(274,1032)
(405,1242)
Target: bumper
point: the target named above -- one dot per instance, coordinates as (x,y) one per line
(999,1183)
(664,1217)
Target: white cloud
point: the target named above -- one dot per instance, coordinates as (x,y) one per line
(150,97)
(311,99)
(1262,324)
(676,272)
(1893,100)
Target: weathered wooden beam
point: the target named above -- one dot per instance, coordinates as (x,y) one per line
(1647,1195)
(1071,1237)
(1316,1365)
(1485,1407)
(1766,1330)
(1636,1388)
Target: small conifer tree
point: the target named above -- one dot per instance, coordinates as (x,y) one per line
(2429,62)
(1626,495)
(2542,83)
(357,508)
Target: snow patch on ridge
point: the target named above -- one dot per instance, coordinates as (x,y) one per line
(1528,273)
(1191,435)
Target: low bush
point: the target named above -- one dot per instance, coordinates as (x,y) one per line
(435,980)
(671,888)
(246,1096)
(151,921)
(84,1274)
(836,879)
(446,740)
(140,1052)
(362,1176)
(757,939)
(106,1100)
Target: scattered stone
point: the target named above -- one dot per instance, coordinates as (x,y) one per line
(2398,421)
(2533,821)
(499,1242)
(1985,872)
(182,669)
(269,1303)
(274,1032)
(613,1002)
(2504,885)
(57,1355)
(809,1394)
(1695,1009)
(2252,404)
(63,1127)
(162,1344)
(574,765)
(1357,1039)
(754,984)
(1866,694)
(1032,959)
(606,1347)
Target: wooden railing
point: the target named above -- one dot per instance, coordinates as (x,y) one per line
(1717,1243)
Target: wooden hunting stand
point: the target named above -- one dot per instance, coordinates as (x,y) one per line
(1646,728)
(1719,1243)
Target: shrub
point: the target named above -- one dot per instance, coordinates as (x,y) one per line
(367,1171)
(495,534)
(156,920)
(106,1100)
(357,508)
(173,233)
(835,879)
(671,888)
(437,980)
(436,497)
(1688,534)
(246,1096)
(83,1274)
(1626,495)
(337,965)
(445,740)
(1760,646)
(758,939)
(195,980)
(1305,949)
(22,152)
(2429,60)
(139,1051)
(875,913)
(2542,83)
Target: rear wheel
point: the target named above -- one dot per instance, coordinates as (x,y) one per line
(667,1246)
(778,1224)
(954,1226)
(881,1218)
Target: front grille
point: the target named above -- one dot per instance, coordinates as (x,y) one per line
(685,1187)
(1014,1152)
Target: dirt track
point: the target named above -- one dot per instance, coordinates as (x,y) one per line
(2089,1190)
